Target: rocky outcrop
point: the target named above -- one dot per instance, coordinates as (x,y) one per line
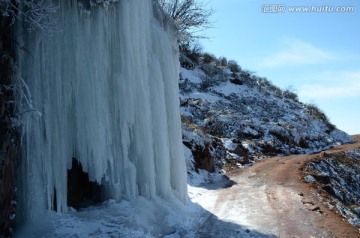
(249,116)
(207,151)
(9,136)
(338,176)
(202,156)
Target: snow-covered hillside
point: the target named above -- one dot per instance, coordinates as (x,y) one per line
(232,112)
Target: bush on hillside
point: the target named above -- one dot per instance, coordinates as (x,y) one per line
(191,17)
(246,74)
(210,70)
(207,82)
(185,85)
(316,112)
(192,52)
(233,66)
(212,76)
(290,93)
(263,82)
(208,58)
(277,91)
(215,127)
(223,61)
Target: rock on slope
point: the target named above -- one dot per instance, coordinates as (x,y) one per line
(232,116)
(337,177)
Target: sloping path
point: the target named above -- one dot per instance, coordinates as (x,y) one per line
(270,199)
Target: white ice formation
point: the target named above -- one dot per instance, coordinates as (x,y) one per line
(106,87)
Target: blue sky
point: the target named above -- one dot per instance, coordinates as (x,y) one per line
(318,53)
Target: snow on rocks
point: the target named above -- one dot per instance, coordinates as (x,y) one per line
(310,179)
(338,175)
(253,113)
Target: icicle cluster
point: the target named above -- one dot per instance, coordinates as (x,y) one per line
(106,88)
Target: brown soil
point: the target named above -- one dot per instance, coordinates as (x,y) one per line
(284,183)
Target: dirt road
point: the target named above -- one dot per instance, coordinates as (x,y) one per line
(271,199)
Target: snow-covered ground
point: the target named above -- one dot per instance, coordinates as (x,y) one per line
(250,206)
(139,217)
(142,217)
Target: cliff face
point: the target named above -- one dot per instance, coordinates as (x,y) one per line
(9,136)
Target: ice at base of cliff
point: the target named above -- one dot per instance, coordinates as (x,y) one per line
(141,217)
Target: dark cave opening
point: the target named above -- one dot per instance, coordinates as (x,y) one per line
(81,192)
(54,201)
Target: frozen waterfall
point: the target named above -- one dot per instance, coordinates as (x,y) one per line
(106,94)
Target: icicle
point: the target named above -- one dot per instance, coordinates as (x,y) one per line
(106,86)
